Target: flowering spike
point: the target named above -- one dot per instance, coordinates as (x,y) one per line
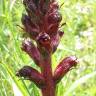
(42,24)
(64,66)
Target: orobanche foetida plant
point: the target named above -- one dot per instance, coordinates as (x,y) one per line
(42,24)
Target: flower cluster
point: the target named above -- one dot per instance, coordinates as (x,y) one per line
(41,24)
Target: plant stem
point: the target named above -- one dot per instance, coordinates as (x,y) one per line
(49,88)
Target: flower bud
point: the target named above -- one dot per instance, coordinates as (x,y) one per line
(64,66)
(31,74)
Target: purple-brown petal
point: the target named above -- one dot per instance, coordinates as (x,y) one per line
(31,74)
(32,51)
(30,5)
(44,43)
(61,33)
(64,66)
(52,29)
(54,17)
(29,26)
(55,41)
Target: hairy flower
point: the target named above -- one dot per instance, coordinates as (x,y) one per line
(42,25)
(64,66)
(31,74)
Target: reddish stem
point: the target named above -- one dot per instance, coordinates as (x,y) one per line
(49,88)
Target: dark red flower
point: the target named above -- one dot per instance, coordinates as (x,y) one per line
(32,51)
(31,74)
(42,25)
(65,65)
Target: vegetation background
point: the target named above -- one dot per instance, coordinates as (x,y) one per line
(79,39)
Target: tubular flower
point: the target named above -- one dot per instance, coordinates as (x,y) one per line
(41,23)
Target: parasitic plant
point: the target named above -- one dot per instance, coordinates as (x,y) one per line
(42,24)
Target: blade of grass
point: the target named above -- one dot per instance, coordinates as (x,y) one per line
(78,82)
(19,84)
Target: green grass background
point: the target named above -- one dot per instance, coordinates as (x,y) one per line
(79,39)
